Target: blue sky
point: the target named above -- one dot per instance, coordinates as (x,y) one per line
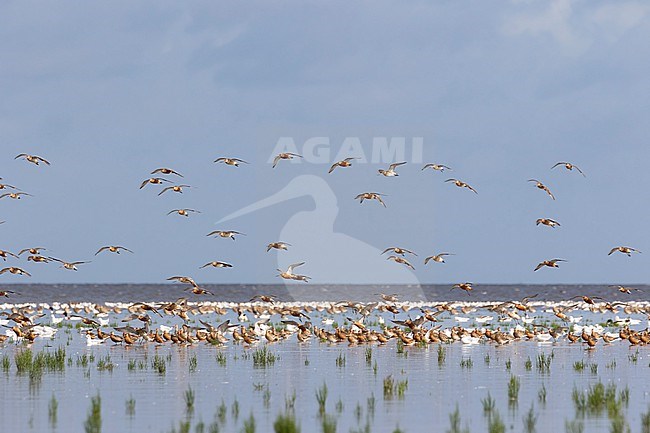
(498,91)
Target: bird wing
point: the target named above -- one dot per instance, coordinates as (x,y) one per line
(396,164)
(220,160)
(388,249)
(167,188)
(275,160)
(22,155)
(470,188)
(380,200)
(539,266)
(559,163)
(548,191)
(42,159)
(451,180)
(580,171)
(612,251)
(126,249)
(336,164)
(428,259)
(101,249)
(427,166)
(295,265)
(144,183)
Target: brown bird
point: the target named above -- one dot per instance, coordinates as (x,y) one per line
(186,280)
(547,222)
(7,186)
(627,290)
(33,251)
(225,234)
(437,167)
(5,293)
(461,184)
(467,287)
(439,258)
(183,212)
(166,171)
(289,275)
(153,181)
(277,246)
(4,255)
(549,263)
(217,264)
(38,259)
(347,162)
(624,250)
(569,167)
(398,250)
(541,186)
(230,161)
(32,158)
(391,170)
(113,249)
(198,291)
(175,188)
(71,266)
(285,155)
(401,260)
(15,271)
(370,196)
(15,195)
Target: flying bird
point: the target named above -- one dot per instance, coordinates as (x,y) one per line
(15,271)
(285,155)
(347,162)
(402,260)
(549,263)
(438,258)
(217,264)
(183,212)
(289,275)
(461,184)
(7,186)
(547,222)
(467,287)
(175,188)
(225,234)
(391,170)
(71,266)
(15,195)
(166,171)
(569,167)
(624,289)
(277,246)
(33,159)
(370,196)
(38,259)
(153,181)
(624,250)
(398,250)
(185,280)
(36,250)
(231,161)
(4,254)
(113,249)
(437,167)
(541,186)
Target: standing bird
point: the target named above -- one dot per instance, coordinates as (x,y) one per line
(549,263)
(624,250)
(370,196)
(547,222)
(347,162)
(402,260)
(439,258)
(183,212)
(277,246)
(153,181)
(437,167)
(33,159)
(541,186)
(175,188)
(166,171)
(230,161)
(285,155)
(569,167)
(461,184)
(113,249)
(225,234)
(391,170)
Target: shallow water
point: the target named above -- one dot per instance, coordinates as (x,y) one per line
(436,385)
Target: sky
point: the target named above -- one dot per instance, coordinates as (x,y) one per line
(498,91)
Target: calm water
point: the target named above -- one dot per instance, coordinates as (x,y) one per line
(229,388)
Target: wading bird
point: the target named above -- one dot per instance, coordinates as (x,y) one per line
(461,184)
(541,186)
(33,159)
(549,263)
(370,196)
(569,167)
